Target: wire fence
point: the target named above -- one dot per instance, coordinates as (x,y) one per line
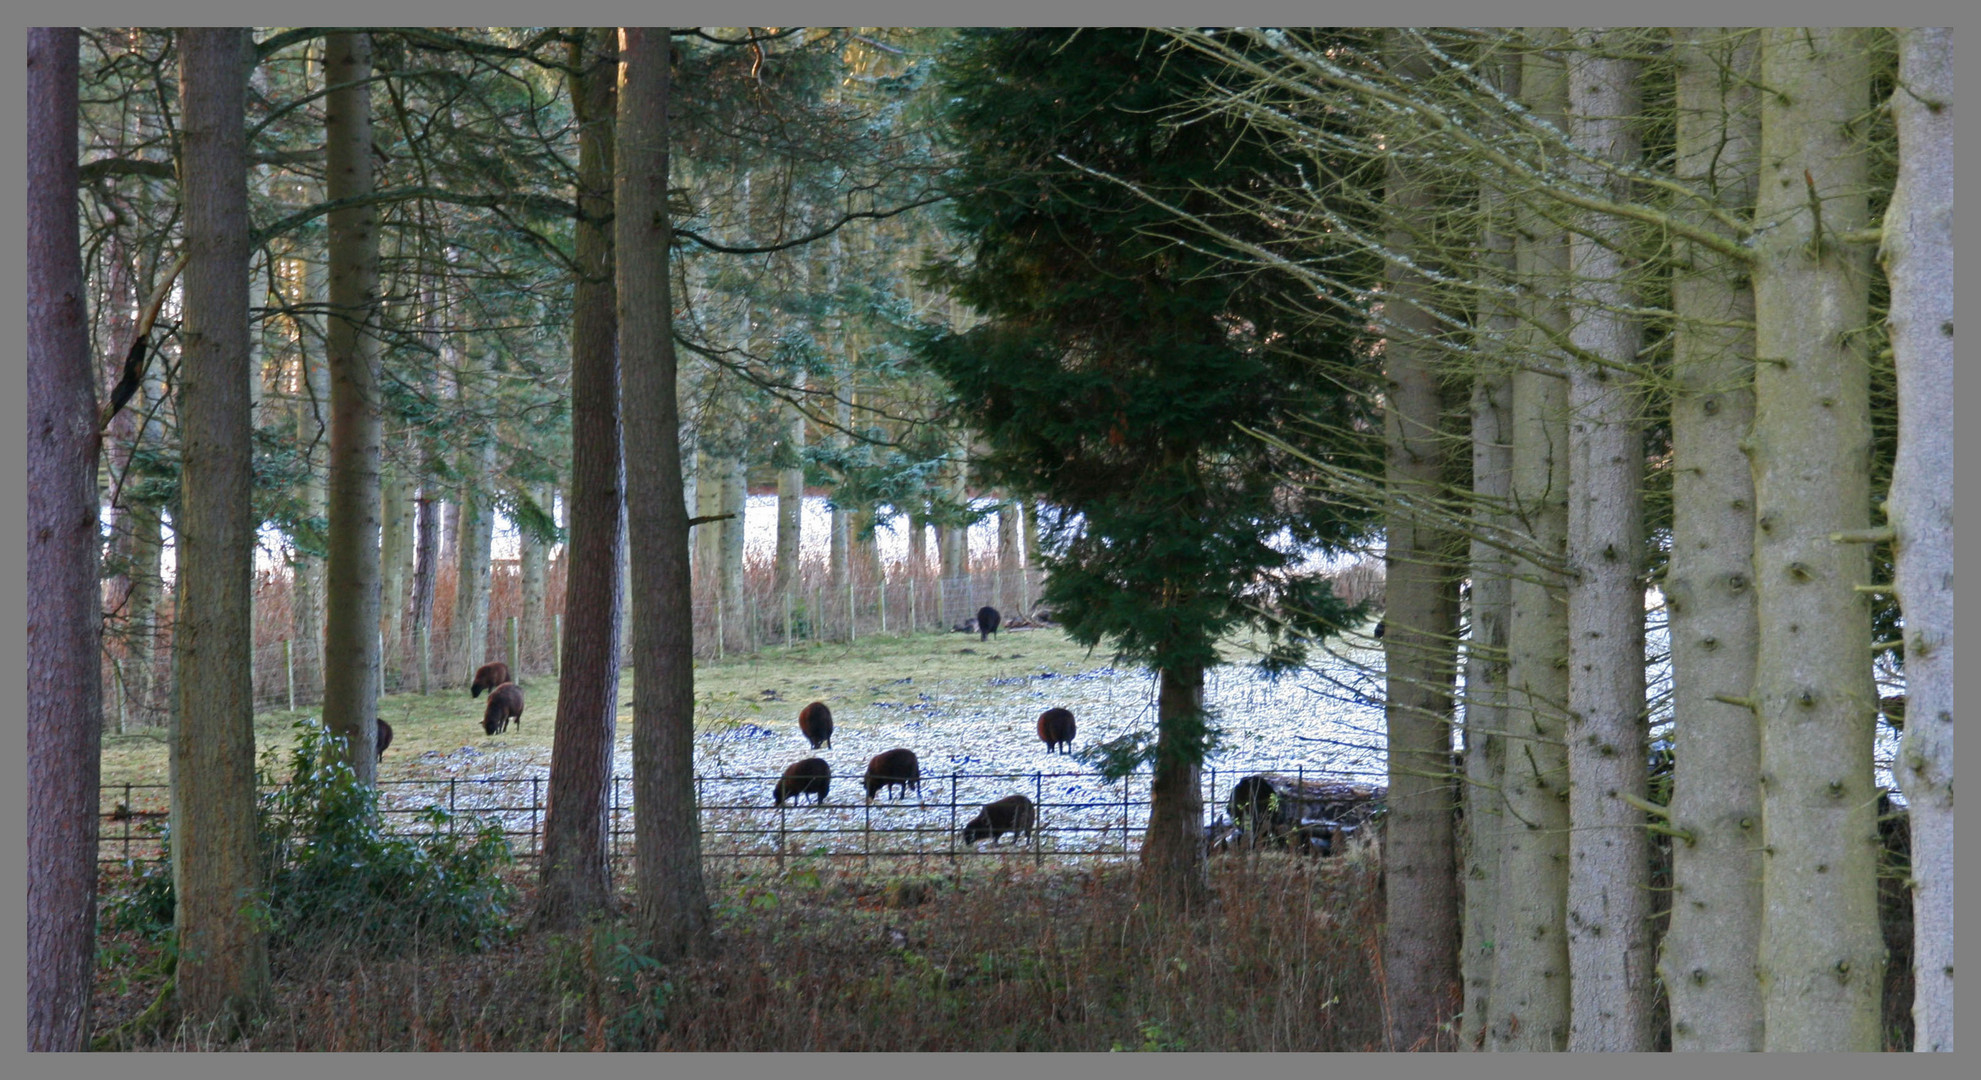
(1079,815)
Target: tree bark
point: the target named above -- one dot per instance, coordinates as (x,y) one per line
(222,972)
(1609,935)
(1822,957)
(65,707)
(468,633)
(1919,262)
(310,412)
(357,431)
(576,874)
(1713,942)
(1530,953)
(735,500)
(1010,563)
(1491,610)
(673,903)
(533,568)
(395,561)
(1420,947)
(1173,848)
(790,510)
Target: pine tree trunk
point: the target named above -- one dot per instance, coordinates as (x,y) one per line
(673,904)
(1822,956)
(1173,848)
(735,500)
(1420,947)
(395,562)
(147,580)
(468,633)
(707,537)
(1609,933)
(1919,261)
(790,511)
(351,635)
(1529,1007)
(576,869)
(1709,952)
(533,567)
(222,972)
(65,706)
(311,412)
(1491,609)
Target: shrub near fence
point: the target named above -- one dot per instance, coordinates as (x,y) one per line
(1080,816)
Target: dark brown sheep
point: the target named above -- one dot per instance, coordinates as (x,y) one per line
(815,721)
(1056,729)
(896,768)
(384,737)
(811,776)
(488,677)
(1012,814)
(988,621)
(505,702)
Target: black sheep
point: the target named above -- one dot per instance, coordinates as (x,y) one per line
(988,621)
(811,776)
(384,738)
(1056,729)
(815,721)
(505,702)
(897,768)
(1012,814)
(488,677)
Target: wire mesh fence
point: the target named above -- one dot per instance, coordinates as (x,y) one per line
(1079,815)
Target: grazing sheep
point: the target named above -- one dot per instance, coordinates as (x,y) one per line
(1056,729)
(488,677)
(815,721)
(504,703)
(811,776)
(1012,814)
(897,768)
(988,621)
(384,738)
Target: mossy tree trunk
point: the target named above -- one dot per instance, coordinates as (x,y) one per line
(351,682)
(222,974)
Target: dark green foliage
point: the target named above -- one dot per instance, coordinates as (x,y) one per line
(1121,352)
(334,876)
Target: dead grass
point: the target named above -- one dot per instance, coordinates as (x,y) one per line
(823,958)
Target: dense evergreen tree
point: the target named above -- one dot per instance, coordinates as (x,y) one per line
(1119,369)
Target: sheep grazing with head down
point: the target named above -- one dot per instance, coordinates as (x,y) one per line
(1056,729)
(1012,814)
(488,677)
(812,776)
(815,722)
(505,703)
(896,768)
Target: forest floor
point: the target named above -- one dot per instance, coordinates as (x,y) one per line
(819,958)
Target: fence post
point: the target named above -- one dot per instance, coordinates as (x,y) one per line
(289,670)
(536,805)
(557,646)
(882,596)
(1039,808)
(515,657)
(852,613)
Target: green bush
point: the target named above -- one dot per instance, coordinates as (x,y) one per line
(332,873)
